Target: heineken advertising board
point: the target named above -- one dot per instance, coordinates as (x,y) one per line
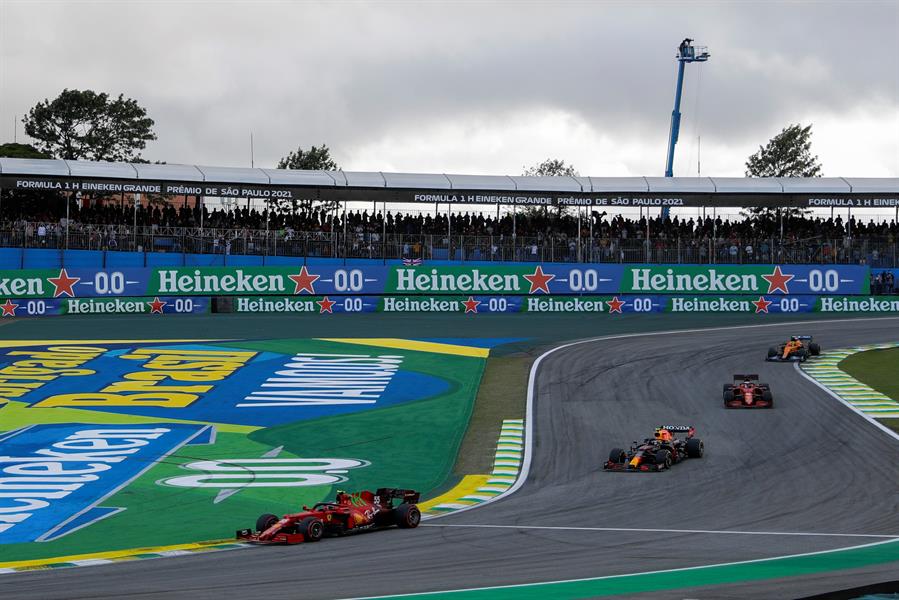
(477,279)
(474,304)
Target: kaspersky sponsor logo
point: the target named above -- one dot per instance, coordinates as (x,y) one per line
(55,476)
(872,304)
(708,280)
(418,280)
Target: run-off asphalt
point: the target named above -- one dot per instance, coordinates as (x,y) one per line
(808,465)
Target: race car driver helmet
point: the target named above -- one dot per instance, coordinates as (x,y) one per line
(747,382)
(663,434)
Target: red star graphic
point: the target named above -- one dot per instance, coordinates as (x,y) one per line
(539,280)
(615,305)
(9,309)
(761,305)
(471,305)
(156,305)
(304,281)
(63,284)
(777,280)
(325,305)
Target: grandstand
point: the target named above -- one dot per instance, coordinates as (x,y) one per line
(76,205)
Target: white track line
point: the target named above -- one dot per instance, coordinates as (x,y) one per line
(532,378)
(642,530)
(603,577)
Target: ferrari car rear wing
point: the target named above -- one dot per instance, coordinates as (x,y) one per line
(407,496)
(743,377)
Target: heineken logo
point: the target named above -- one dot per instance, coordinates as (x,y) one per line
(845,304)
(708,280)
(418,280)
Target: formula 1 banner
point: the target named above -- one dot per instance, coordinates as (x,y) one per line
(479,279)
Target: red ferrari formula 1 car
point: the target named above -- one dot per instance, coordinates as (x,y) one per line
(747,392)
(349,513)
(657,453)
(797,349)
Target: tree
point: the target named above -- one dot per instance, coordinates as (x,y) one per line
(551,167)
(87,125)
(314,159)
(788,154)
(12,150)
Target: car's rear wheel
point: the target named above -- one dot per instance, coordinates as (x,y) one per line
(617,456)
(814,349)
(407,516)
(695,448)
(311,528)
(728,396)
(265,521)
(772,352)
(663,459)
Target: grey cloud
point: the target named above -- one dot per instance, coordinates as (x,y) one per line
(350,73)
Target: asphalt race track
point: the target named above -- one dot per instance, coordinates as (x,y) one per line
(811,465)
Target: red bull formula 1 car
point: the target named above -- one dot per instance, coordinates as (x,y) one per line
(657,453)
(747,392)
(797,349)
(349,513)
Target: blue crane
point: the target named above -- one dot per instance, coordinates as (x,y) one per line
(686,53)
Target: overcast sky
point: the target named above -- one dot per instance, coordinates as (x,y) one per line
(472,87)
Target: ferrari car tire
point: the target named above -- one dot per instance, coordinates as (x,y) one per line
(407,516)
(772,352)
(663,459)
(617,456)
(767,397)
(311,528)
(695,448)
(265,521)
(814,349)
(728,396)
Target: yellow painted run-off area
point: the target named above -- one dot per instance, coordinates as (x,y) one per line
(416,345)
(114,555)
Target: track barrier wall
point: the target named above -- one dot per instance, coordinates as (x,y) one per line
(469,289)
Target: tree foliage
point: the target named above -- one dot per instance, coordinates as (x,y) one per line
(314,159)
(551,167)
(12,150)
(82,124)
(787,154)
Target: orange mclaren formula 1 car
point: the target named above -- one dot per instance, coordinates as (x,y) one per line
(657,453)
(349,513)
(798,349)
(747,392)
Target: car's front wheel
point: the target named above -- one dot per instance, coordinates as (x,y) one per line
(265,521)
(311,528)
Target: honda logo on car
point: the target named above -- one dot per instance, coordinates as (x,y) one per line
(55,474)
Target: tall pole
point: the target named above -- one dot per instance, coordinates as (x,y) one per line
(449,232)
(134,230)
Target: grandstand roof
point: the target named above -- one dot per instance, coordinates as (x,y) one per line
(114,177)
